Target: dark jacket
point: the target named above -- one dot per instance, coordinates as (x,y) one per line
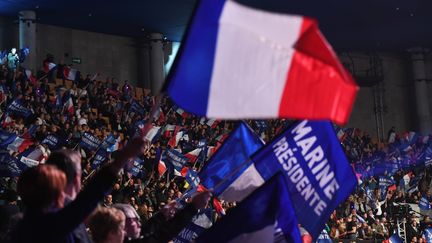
(80,234)
(58,226)
(159,230)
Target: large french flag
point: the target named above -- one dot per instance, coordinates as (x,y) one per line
(238,62)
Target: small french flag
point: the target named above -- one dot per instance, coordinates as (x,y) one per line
(168,129)
(70,73)
(153,134)
(30,76)
(213,123)
(69,106)
(161,167)
(182,113)
(193,155)
(7,120)
(48,66)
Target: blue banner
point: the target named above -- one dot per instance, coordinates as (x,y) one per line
(53,142)
(89,141)
(200,222)
(324,237)
(109,141)
(136,108)
(99,159)
(424,203)
(9,165)
(176,160)
(192,178)
(385,181)
(17,107)
(136,167)
(318,174)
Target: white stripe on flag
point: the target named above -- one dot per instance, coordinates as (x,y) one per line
(244,185)
(265,234)
(152,133)
(256,36)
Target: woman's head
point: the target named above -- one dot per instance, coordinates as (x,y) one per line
(42,187)
(107,225)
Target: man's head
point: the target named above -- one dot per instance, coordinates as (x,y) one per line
(107,225)
(69,162)
(133,221)
(13,50)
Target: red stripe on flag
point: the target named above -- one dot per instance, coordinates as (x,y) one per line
(317,85)
(161,168)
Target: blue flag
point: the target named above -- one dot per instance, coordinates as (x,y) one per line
(314,164)
(324,237)
(192,178)
(200,222)
(424,203)
(17,107)
(6,139)
(136,107)
(266,215)
(136,167)
(53,142)
(176,161)
(99,159)
(109,141)
(10,165)
(428,235)
(231,159)
(89,141)
(23,53)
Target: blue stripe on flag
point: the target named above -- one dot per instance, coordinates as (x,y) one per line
(231,159)
(194,66)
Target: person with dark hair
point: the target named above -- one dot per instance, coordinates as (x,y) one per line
(41,188)
(69,161)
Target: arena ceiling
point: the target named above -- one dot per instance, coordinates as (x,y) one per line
(347,24)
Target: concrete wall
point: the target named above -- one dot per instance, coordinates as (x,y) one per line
(112,56)
(398,96)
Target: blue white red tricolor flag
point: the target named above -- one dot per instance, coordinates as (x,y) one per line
(239,62)
(266,215)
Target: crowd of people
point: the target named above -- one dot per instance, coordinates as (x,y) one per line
(385,198)
(143,206)
(103,109)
